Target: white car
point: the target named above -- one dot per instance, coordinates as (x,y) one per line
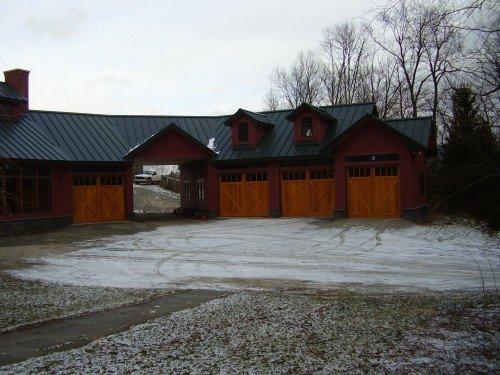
(147,178)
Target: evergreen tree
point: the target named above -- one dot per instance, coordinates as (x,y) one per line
(470,177)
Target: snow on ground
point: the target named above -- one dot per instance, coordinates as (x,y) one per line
(28,302)
(293,333)
(153,199)
(246,253)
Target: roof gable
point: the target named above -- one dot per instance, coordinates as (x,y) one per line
(406,128)
(185,145)
(258,118)
(317,110)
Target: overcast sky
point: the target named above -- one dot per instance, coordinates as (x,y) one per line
(159,57)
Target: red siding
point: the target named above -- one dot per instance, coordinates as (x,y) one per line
(371,139)
(171,147)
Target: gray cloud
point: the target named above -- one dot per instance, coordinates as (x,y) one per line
(61,26)
(109,79)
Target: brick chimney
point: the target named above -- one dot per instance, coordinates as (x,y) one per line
(19,80)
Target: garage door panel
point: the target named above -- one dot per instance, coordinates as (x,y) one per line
(360,197)
(295,198)
(386,196)
(245,197)
(98,199)
(303,196)
(112,198)
(321,197)
(373,192)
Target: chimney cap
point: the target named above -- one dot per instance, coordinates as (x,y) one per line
(17,70)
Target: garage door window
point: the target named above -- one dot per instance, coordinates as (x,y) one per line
(111,181)
(386,171)
(256,177)
(84,181)
(231,177)
(359,172)
(320,175)
(295,175)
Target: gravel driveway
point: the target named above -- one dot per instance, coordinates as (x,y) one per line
(280,253)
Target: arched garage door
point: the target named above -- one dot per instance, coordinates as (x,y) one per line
(307,193)
(243,195)
(373,192)
(98,199)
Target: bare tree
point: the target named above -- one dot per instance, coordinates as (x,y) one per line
(482,56)
(272,100)
(347,53)
(300,82)
(385,88)
(405,37)
(443,49)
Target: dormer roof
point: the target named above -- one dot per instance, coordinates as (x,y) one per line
(306,106)
(258,118)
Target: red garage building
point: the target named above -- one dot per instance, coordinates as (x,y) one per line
(342,161)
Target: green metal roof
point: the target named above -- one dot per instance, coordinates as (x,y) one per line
(259,118)
(416,128)
(78,137)
(8,93)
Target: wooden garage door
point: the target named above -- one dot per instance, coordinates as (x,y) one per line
(373,192)
(243,195)
(307,193)
(98,199)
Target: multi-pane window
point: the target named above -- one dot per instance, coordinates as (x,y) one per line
(306,127)
(230,177)
(262,176)
(25,188)
(187,189)
(294,175)
(359,172)
(320,175)
(243,132)
(111,180)
(85,181)
(386,171)
(200,190)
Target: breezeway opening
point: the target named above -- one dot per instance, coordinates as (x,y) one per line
(156,189)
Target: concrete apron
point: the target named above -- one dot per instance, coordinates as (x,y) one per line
(71,333)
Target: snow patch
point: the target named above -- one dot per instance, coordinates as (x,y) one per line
(243,252)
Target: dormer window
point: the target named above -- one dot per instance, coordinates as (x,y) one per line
(310,124)
(243,132)
(306,127)
(248,128)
